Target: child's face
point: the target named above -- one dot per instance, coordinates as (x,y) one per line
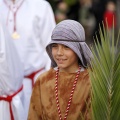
(65,58)
(111,6)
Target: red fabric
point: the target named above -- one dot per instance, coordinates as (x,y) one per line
(9,99)
(31,76)
(110,17)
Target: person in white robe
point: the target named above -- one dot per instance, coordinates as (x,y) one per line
(11,79)
(30,23)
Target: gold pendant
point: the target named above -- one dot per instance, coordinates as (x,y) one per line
(15,35)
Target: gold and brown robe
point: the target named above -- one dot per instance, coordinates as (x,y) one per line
(43,101)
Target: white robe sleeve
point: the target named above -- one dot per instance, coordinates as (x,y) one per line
(48,24)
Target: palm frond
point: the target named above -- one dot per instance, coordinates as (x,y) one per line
(105,77)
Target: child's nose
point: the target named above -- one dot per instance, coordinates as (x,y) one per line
(60,51)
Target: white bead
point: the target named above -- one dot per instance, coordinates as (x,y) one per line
(69,104)
(56,87)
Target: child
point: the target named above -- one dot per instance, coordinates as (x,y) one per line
(61,11)
(110,18)
(63,92)
(110,15)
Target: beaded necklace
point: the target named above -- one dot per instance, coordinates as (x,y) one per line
(71,94)
(15,35)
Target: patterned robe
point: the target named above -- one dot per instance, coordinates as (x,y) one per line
(43,101)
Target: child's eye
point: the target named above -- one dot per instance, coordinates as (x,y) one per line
(54,45)
(66,46)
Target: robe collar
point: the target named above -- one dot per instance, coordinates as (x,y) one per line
(10,2)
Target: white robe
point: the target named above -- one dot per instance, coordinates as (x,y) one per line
(34,23)
(11,77)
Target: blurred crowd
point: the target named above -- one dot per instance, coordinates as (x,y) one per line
(90,13)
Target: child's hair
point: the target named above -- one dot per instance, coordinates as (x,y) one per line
(72,34)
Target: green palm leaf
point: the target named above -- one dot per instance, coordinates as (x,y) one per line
(105,77)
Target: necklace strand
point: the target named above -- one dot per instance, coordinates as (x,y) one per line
(71,94)
(14,13)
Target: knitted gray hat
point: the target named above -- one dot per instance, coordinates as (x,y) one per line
(70,33)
